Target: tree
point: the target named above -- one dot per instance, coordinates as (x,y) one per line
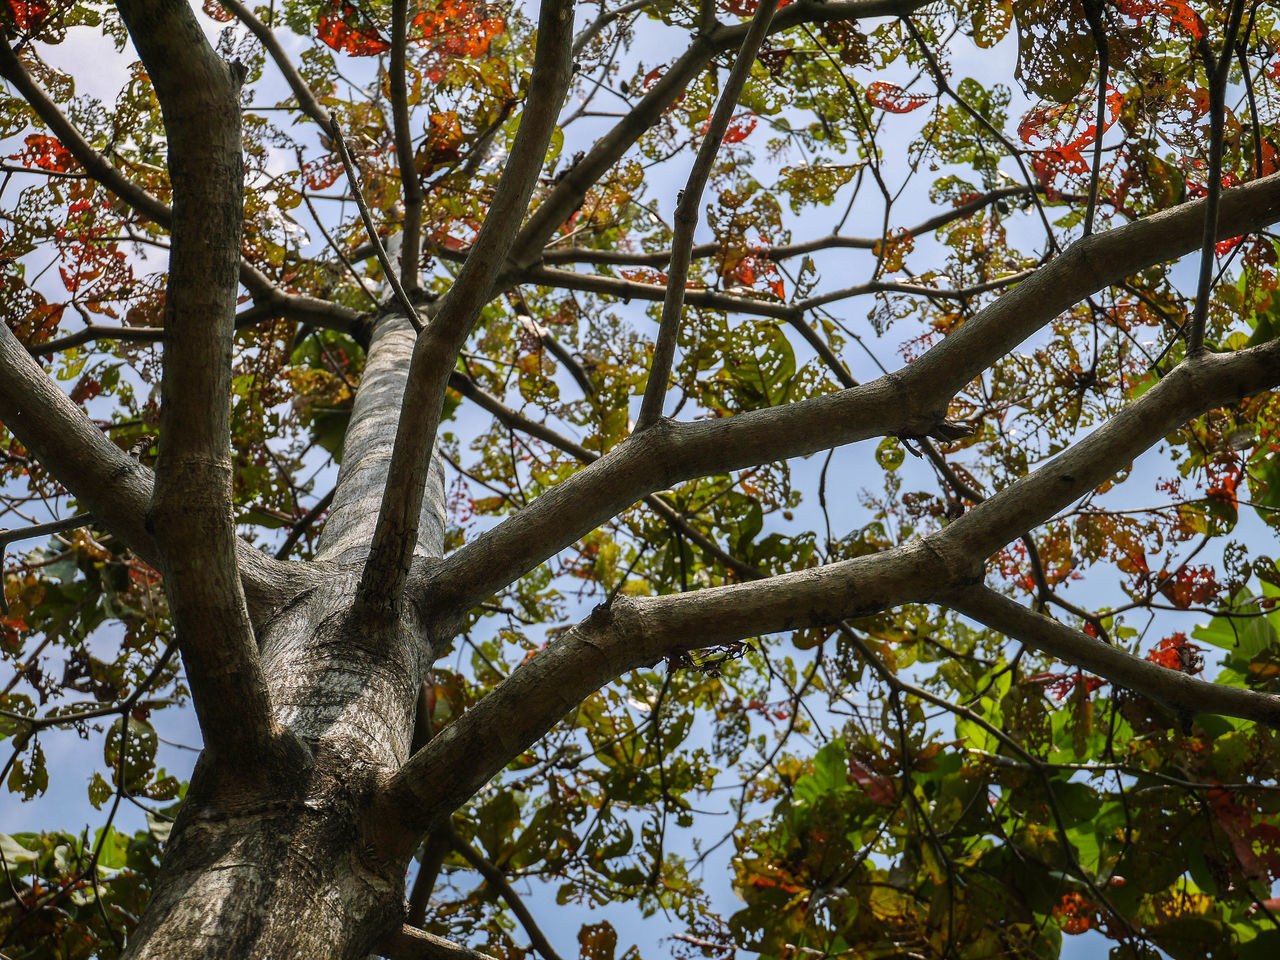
(547,613)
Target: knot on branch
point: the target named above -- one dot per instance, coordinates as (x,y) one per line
(948,430)
(944,430)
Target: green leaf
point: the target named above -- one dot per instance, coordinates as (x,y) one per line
(889,453)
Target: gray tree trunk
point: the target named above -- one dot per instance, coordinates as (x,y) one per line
(287,865)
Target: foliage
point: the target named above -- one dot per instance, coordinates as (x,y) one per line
(904,784)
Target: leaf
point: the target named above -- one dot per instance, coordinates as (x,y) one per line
(889,453)
(99,791)
(349,31)
(598,941)
(27,14)
(893,99)
(215,11)
(740,128)
(44,152)
(131,753)
(14,851)
(1056,50)
(29,776)
(991,21)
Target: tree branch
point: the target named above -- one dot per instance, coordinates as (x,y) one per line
(1182,693)
(302,93)
(104,479)
(632,632)
(554,255)
(268,298)
(656,502)
(388,268)
(94,163)
(410,186)
(436,351)
(592,30)
(686,218)
(192,500)
(494,877)
(410,943)
(302,526)
(570,191)
(1217,71)
(909,402)
(95,331)
(269,301)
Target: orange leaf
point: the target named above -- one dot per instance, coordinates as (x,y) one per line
(347,31)
(740,128)
(27,14)
(893,99)
(46,153)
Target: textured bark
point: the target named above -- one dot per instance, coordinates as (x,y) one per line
(273,874)
(366,454)
(294,864)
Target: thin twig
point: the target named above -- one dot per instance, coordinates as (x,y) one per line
(303,525)
(1093,13)
(410,185)
(402,298)
(686,219)
(1217,70)
(494,878)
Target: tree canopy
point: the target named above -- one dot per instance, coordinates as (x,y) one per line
(802,471)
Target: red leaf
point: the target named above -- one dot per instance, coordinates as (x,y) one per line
(879,789)
(893,99)
(45,153)
(740,128)
(1178,12)
(1223,247)
(348,31)
(215,11)
(322,173)
(1176,652)
(27,14)
(452,29)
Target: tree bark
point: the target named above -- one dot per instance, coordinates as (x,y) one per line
(292,864)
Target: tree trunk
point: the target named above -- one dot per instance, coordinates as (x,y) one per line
(287,865)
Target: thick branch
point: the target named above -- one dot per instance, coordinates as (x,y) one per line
(270,301)
(911,401)
(97,331)
(105,480)
(633,632)
(686,219)
(192,501)
(437,348)
(1184,694)
(1196,385)
(630,633)
(367,452)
